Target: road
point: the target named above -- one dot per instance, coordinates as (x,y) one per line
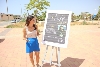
(82,50)
(5,23)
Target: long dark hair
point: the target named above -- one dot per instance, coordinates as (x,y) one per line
(29,18)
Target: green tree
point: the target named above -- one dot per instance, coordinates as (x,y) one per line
(89,16)
(24,16)
(42,16)
(82,15)
(98,14)
(73,16)
(39,7)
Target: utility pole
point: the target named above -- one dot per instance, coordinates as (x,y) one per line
(21,12)
(7,9)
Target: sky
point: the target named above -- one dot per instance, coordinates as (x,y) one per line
(76,6)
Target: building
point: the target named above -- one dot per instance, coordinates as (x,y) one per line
(6,17)
(17,16)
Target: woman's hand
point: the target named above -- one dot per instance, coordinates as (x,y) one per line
(24,34)
(38,33)
(25,39)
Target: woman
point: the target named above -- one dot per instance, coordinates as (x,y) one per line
(30,33)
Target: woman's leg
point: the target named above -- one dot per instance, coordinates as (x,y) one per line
(31,58)
(37,57)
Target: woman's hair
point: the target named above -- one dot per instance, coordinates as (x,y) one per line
(29,18)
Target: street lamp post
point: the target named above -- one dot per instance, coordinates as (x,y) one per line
(7,9)
(21,11)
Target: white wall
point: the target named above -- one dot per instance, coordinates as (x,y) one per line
(41,23)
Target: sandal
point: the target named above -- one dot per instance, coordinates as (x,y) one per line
(38,65)
(34,66)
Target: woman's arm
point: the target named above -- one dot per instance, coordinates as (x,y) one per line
(37,30)
(24,34)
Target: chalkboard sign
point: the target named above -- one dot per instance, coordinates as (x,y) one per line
(56,28)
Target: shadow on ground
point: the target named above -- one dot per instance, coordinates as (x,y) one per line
(68,62)
(1,40)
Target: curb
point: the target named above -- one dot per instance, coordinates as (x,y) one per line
(2,37)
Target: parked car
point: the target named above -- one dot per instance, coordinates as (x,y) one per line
(18,20)
(13,21)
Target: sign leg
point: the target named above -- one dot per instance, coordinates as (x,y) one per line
(56,54)
(58,59)
(51,55)
(44,55)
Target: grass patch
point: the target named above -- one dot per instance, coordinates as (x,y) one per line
(98,27)
(16,25)
(83,23)
(22,24)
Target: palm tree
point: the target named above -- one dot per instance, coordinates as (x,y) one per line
(73,16)
(82,15)
(89,16)
(98,14)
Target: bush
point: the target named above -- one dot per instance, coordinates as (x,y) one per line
(84,23)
